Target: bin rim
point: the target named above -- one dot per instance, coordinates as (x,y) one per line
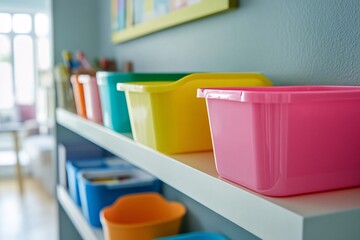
(86,78)
(140,178)
(163,86)
(181,213)
(74,79)
(282,94)
(83,163)
(150,223)
(110,75)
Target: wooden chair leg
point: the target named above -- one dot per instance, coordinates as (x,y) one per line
(18,166)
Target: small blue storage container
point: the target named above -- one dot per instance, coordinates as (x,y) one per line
(196,236)
(100,188)
(113,102)
(74,166)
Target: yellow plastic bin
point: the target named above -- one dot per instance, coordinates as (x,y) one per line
(168,117)
(142,216)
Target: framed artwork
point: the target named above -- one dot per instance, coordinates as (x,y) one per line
(135,18)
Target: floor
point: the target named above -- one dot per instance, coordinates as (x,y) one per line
(31,216)
(8,160)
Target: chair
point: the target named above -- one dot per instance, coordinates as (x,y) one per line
(9,124)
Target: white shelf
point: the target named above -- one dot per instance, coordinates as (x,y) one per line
(329,215)
(74,212)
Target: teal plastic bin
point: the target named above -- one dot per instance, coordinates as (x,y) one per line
(196,236)
(113,103)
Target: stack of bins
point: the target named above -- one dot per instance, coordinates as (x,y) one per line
(282,141)
(73,167)
(168,117)
(78,151)
(100,188)
(79,97)
(91,97)
(114,108)
(64,93)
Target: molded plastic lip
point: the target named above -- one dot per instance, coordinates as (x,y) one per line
(84,78)
(153,87)
(149,87)
(282,94)
(150,223)
(181,211)
(103,77)
(137,178)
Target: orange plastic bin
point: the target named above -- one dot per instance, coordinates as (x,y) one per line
(78,89)
(142,216)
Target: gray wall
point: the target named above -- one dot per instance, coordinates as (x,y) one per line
(200,218)
(76,27)
(290,41)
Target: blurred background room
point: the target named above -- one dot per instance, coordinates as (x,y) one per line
(46,45)
(27,163)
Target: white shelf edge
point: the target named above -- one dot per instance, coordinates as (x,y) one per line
(85,230)
(265,217)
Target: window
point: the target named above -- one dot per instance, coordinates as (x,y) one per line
(5,20)
(6,82)
(22,23)
(24,52)
(24,69)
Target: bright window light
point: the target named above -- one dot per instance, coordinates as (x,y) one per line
(25,52)
(43,51)
(41,24)
(6,79)
(22,23)
(24,69)
(6,89)
(5,48)
(5,23)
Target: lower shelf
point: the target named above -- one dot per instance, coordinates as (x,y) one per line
(74,212)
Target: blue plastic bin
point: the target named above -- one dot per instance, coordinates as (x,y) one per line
(100,188)
(113,103)
(196,236)
(74,166)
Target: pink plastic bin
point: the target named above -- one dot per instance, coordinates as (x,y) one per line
(282,141)
(92,98)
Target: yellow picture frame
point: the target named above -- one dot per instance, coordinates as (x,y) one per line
(131,30)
